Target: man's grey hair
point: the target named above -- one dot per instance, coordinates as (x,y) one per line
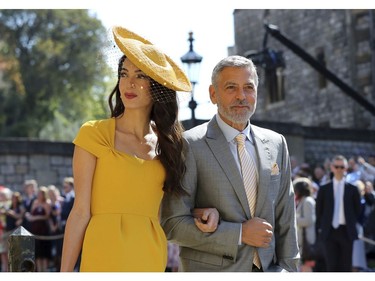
(234,61)
(340,157)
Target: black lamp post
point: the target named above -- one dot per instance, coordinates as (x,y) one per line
(191,61)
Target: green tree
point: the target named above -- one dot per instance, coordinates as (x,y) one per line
(54,72)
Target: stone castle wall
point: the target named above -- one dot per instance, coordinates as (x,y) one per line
(344,38)
(45,161)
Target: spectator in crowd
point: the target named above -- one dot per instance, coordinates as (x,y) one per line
(38,217)
(369,223)
(304,171)
(5,195)
(359,262)
(305,217)
(56,200)
(15,213)
(69,196)
(66,207)
(359,169)
(369,196)
(320,175)
(294,166)
(336,221)
(367,169)
(30,189)
(353,172)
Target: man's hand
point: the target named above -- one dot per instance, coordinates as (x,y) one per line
(361,160)
(257,232)
(206,219)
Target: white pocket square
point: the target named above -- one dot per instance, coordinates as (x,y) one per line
(275,169)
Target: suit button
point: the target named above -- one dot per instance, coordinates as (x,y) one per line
(228,257)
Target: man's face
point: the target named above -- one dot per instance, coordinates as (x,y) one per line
(29,189)
(235,95)
(66,187)
(338,168)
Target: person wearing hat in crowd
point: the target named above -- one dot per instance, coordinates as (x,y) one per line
(123,165)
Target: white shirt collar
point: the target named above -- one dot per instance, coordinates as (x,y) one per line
(336,181)
(230,133)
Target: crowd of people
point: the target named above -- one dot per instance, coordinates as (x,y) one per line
(357,173)
(42,211)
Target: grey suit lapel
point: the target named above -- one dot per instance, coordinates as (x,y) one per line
(219,147)
(264,157)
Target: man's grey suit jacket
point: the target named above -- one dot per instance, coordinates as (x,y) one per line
(213,180)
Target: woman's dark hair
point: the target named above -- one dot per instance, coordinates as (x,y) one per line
(164,115)
(119,107)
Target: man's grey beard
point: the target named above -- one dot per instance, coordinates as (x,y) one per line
(237,118)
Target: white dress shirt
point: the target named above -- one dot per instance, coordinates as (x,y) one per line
(337,185)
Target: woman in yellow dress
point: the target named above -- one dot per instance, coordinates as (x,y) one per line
(123,165)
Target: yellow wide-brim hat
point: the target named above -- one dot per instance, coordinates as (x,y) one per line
(151,60)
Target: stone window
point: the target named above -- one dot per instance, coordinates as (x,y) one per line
(274,81)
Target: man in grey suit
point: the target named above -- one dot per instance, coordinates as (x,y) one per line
(213,180)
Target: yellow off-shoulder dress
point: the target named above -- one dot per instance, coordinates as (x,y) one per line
(124,234)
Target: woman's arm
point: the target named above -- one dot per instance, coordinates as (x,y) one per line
(14,214)
(83,171)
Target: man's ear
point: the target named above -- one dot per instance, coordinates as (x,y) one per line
(212,91)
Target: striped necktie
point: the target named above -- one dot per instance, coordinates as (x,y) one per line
(249,176)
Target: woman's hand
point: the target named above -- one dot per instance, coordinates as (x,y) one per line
(206,219)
